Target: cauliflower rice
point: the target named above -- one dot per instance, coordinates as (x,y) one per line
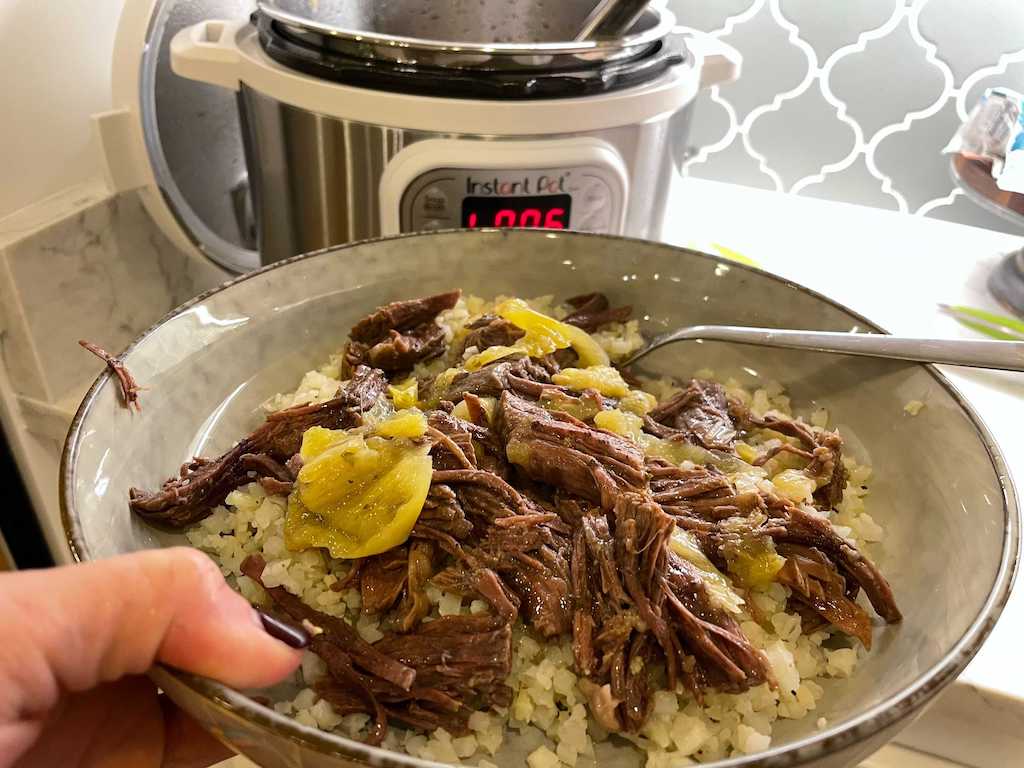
(548,713)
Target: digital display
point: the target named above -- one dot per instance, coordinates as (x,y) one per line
(537,212)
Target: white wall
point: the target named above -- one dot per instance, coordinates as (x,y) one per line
(54,73)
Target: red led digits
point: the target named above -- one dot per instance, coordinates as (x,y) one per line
(506,217)
(537,212)
(554,219)
(530,218)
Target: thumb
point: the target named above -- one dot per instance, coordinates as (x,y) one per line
(83,625)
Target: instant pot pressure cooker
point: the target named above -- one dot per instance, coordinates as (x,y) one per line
(358,118)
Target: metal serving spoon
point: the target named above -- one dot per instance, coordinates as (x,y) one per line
(1002,355)
(611,18)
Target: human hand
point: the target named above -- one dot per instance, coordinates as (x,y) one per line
(77,641)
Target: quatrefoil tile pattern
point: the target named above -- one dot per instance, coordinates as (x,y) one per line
(853,100)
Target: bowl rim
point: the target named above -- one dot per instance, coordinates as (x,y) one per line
(848,734)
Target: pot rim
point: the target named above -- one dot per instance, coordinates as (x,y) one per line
(888,713)
(665,21)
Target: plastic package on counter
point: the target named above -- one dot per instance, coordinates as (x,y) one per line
(1012,177)
(994,135)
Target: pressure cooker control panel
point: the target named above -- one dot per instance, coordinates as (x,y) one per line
(450,184)
(582,198)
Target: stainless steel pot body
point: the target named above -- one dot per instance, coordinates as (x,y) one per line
(316,178)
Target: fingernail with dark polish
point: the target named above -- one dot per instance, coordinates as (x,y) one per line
(296,637)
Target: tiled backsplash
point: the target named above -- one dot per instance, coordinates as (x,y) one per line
(853,100)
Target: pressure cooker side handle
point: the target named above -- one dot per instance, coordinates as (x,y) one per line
(719,62)
(208,52)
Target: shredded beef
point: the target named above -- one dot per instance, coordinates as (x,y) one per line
(532,561)
(640,548)
(798,526)
(443,511)
(453,441)
(592,310)
(442,516)
(294,465)
(129,388)
(632,594)
(350,691)
(202,484)
(265,466)
(397,336)
(336,631)
(702,493)
(727,660)
(526,544)
(491,331)
(476,410)
(401,316)
(399,351)
(382,580)
(815,581)
(493,379)
(419,569)
(434,677)
(470,654)
(699,414)
(556,449)
(827,467)
(275,487)
(823,449)
(502,496)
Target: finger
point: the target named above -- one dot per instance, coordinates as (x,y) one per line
(83,625)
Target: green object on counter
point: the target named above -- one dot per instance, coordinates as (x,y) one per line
(986,330)
(732,255)
(986,323)
(724,252)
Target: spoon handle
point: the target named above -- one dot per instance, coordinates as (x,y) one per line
(1002,355)
(611,18)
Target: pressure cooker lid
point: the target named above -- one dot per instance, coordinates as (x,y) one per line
(184,141)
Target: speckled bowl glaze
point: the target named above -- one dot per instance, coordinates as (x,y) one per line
(941,488)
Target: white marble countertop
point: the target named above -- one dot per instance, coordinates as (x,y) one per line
(895,269)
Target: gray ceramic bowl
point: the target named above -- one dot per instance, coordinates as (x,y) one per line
(941,487)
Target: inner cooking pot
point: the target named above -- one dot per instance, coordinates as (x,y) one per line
(398,40)
(466,24)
